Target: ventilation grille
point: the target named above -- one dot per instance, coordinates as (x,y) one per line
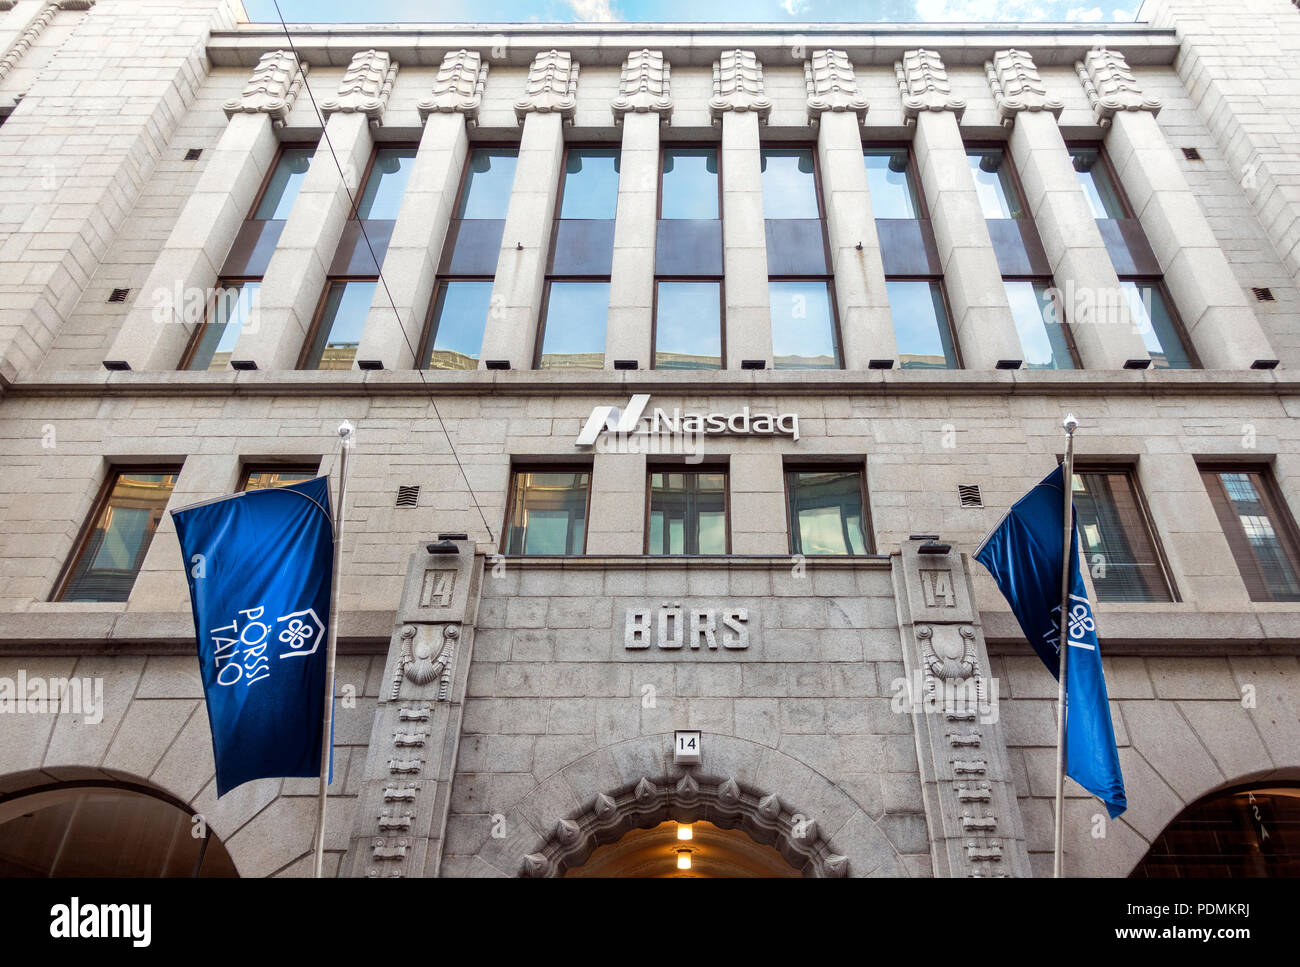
(970,495)
(118,295)
(1191,154)
(193,154)
(1263,295)
(408,497)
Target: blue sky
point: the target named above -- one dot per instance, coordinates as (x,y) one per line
(771,11)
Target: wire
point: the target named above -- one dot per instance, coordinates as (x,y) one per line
(379,271)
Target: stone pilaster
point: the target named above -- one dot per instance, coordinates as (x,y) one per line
(981,316)
(548,102)
(616,523)
(411,262)
(1092,301)
(405,791)
(1209,299)
(837,107)
(643,102)
(741,106)
(285,305)
(966,783)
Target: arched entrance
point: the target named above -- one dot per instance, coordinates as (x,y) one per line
(103,828)
(1245,832)
(663,851)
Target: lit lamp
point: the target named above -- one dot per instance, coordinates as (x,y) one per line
(684,831)
(683,859)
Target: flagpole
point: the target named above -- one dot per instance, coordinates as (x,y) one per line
(1063,648)
(327,731)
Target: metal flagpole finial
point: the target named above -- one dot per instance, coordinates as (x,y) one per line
(347,433)
(1070,423)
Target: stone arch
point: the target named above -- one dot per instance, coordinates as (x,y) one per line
(772,796)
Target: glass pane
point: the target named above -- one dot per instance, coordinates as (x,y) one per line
(217,336)
(688,513)
(382,196)
(1252,512)
(1158,329)
(1038,321)
(115,549)
(826,512)
(893,195)
(573,333)
(688,326)
(1096,183)
(590,183)
(1114,539)
(920,325)
(803,327)
(690,188)
(789,183)
(997,193)
(460,312)
(342,320)
(489,183)
(282,189)
(268,479)
(548,513)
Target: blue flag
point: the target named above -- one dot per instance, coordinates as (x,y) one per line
(259,566)
(1023,553)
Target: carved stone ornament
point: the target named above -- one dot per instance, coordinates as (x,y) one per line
(272,88)
(948,657)
(365,86)
(923,85)
(738,85)
(1111,86)
(23,42)
(1017,86)
(458,86)
(832,85)
(552,86)
(644,86)
(421,666)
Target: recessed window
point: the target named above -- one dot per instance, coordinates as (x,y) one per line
(1116,539)
(827,512)
(1159,329)
(920,325)
(1037,314)
(688,325)
(108,558)
(460,311)
(381,198)
(548,511)
(789,183)
(267,478)
(488,183)
(803,325)
(991,172)
(690,183)
(1259,528)
(1097,185)
(688,512)
(590,183)
(215,339)
(889,179)
(285,183)
(338,330)
(573,330)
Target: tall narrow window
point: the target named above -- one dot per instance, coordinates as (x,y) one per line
(827,511)
(921,324)
(804,331)
(227,309)
(1044,336)
(1260,531)
(994,183)
(107,559)
(688,325)
(1116,538)
(1097,184)
(1159,326)
(339,323)
(547,511)
(688,512)
(688,322)
(889,180)
(576,305)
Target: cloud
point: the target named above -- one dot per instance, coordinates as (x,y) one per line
(592,11)
(1084,14)
(792,7)
(970,11)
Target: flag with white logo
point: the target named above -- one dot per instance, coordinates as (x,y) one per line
(1023,553)
(259,569)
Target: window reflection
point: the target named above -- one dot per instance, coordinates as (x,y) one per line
(688,325)
(270,478)
(460,312)
(382,196)
(1095,180)
(590,183)
(1156,324)
(826,513)
(690,183)
(997,193)
(920,325)
(1114,535)
(789,183)
(286,181)
(1038,320)
(573,332)
(803,325)
(338,332)
(548,512)
(889,179)
(227,315)
(688,513)
(488,184)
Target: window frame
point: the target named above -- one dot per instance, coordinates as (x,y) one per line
(922,209)
(1285,526)
(1103,156)
(1013,174)
(370,165)
(1050,283)
(1158,281)
(544,466)
(280,149)
(616,146)
(947,311)
(836,333)
(247,470)
(654,467)
(97,508)
(424,349)
(823,466)
(318,318)
(543,308)
(196,337)
(715,147)
(722,316)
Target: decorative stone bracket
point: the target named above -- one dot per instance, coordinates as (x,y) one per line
(1111,86)
(365,87)
(458,86)
(1017,86)
(552,86)
(738,85)
(272,89)
(924,86)
(644,87)
(832,85)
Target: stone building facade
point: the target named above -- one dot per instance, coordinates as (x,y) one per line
(505,712)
